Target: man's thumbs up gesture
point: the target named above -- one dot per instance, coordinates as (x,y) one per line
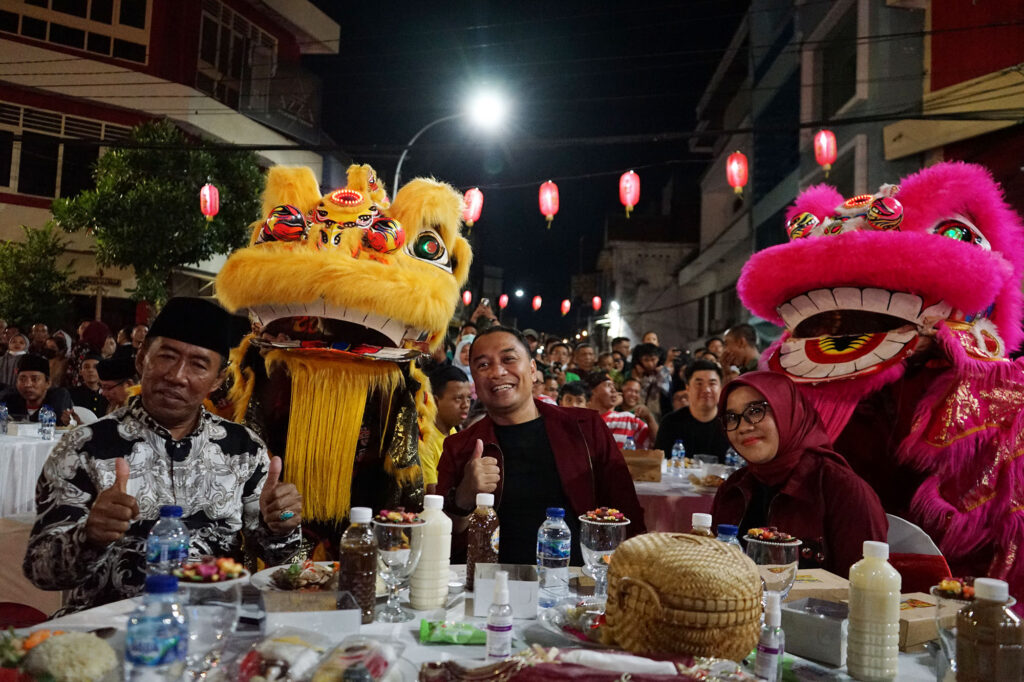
(481,475)
(112,512)
(280,503)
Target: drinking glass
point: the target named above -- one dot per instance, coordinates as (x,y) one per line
(945,622)
(776,562)
(598,541)
(398,551)
(212,611)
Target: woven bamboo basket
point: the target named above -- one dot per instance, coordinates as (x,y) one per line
(676,593)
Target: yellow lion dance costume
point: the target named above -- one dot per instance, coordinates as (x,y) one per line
(349,290)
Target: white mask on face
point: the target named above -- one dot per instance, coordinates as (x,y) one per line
(17,352)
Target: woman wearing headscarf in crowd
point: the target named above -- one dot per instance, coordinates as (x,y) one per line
(17,346)
(794,480)
(461,358)
(93,335)
(55,350)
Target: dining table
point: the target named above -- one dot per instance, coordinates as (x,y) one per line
(913,667)
(21,461)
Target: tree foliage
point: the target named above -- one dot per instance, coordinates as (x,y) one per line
(144,212)
(33,286)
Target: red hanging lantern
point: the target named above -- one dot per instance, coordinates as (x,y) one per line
(736,171)
(565,307)
(474,204)
(549,200)
(503,301)
(629,190)
(825,151)
(596,302)
(209,201)
(467,297)
(536,302)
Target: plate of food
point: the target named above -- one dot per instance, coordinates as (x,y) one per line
(304,576)
(706,484)
(57,654)
(577,623)
(211,571)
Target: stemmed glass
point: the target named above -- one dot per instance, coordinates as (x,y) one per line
(212,610)
(598,540)
(776,562)
(398,551)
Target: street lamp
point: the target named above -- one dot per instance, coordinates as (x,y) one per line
(486,109)
(520,293)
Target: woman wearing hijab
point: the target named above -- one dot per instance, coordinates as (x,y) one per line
(93,335)
(17,346)
(793,479)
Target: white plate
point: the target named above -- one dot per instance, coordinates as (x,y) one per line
(705,489)
(243,578)
(262,580)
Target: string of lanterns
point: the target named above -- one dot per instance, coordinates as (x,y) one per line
(825,153)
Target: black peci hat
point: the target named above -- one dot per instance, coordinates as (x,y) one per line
(30,362)
(196,321)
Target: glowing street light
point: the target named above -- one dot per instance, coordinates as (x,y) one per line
(520,293)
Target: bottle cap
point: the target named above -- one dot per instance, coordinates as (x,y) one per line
(991,589)
(557,512)
(728,529)
(433,502)
(679,441)
(172,510)
(876,550)
(701,521)
(501,587)
(360,515)
(485,499)
(773,609)
(161,584)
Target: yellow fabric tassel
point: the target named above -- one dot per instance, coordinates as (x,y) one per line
(327,403)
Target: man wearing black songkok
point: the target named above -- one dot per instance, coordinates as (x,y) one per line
(32,390)
(102,488)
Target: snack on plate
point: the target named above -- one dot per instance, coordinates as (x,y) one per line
(70,657)
(398,515)
(307,576)
(707,481)
(377,657)
(770,534)
(956,588)
(605,515)
(210,570)
(287,655)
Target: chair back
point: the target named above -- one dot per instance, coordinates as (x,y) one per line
(14,615)
(908,538)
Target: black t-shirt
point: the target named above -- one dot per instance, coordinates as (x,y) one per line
(531,485)
(83,396)
(700,438)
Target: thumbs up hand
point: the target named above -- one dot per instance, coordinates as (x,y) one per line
(481,475)
(114,509)
(280,503)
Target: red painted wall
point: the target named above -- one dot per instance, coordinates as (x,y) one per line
(983,46)
(1001,152)
(174,40)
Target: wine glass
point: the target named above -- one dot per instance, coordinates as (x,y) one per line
(776,562)
(212,610)
(398,551)
(598,539)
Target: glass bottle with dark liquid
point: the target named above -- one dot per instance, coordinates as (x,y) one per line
(483,535)
(358,570)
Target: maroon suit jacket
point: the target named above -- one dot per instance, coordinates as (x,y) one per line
(592,469)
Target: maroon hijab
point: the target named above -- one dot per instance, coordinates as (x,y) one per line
(800,429)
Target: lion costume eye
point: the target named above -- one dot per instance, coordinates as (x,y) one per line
(962,230)
(429,246)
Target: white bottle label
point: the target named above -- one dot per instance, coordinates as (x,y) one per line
(766,665)
(499,640)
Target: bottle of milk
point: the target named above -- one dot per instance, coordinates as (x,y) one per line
(872,643)
(428,588)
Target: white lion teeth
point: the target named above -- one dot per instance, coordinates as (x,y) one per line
(898,304)
(395,330)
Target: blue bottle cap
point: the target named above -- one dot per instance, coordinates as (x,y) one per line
(679,441)
(728,529)
(161,584)
(172,510)
(557,512)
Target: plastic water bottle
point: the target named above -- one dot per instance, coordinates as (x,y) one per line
(873,638)
(728,533)
(156,638)
(167,544)
(5,418)
(554,542)
(47,422)
(629,444)
(678,455)
(733,459)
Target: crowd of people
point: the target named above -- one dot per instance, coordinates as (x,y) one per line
(529,419)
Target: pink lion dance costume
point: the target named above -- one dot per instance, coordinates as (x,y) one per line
(899,310)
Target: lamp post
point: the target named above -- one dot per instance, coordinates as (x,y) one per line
(486,109)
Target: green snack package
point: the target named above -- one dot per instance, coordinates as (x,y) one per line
(447,632)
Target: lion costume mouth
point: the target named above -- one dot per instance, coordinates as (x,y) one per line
(846,332)
(320,326)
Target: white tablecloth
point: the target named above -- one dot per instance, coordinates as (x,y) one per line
(21,461)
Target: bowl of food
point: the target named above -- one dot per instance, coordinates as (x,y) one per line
(211,571)
(706,484)
(59,656)
(951,595)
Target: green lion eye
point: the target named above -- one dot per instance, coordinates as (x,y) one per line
(958,232)
(428,247)
(962,232)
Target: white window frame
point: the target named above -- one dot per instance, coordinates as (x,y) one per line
(112,30)
(810,60)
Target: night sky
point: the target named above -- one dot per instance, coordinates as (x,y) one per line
(590,84)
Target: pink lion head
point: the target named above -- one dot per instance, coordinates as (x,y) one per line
(863,281)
